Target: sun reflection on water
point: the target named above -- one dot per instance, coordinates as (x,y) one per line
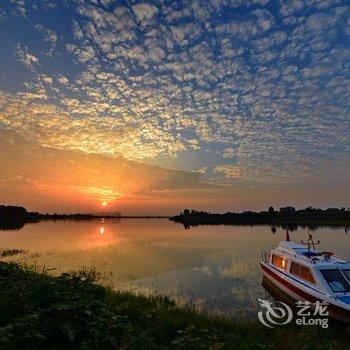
(211,268)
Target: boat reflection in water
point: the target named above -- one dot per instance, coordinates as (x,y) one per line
(277,297)
(275,294)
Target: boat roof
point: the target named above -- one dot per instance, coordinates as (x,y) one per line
(300,252)
(290,245)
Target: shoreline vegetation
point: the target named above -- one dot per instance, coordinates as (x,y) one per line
(71,311)
(15,217)
(288,217)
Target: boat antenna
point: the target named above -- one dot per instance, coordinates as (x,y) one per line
(310,242)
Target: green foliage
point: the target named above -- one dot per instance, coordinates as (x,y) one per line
(10,252)
(38,311)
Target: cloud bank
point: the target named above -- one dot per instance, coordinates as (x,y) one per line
(249,92)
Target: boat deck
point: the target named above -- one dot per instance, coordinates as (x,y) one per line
(312,256)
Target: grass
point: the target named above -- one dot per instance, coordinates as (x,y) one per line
(10,252)
(39,311)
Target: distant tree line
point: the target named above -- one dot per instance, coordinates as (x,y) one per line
(284,216)
(14,217)
(11,210)
(271,210)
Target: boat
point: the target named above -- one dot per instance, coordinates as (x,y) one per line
(305,273)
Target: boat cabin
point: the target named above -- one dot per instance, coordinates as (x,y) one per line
(321,270)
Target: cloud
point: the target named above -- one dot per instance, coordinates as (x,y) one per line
(20,6)
(202,170)
(230,171)
(47,79)
(144,12)
(56,175)
(63,80)
(265,91)
(60,127)
(228,153)
(85,54)
(50,37)
(25,57)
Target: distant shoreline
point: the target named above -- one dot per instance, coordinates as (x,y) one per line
(14,217)
(329,217)
(253,221)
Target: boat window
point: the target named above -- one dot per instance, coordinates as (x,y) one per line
(335,280)
(294,268)
(279,261)
(347,274)
(305,274)
(301,272)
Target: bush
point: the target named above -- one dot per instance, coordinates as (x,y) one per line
(38,311)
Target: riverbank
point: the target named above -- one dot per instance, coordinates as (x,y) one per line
(329,217)
(14,217)
(72,311)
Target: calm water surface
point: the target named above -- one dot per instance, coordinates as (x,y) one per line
(214,268)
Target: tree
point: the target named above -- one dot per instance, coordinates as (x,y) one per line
(271,210)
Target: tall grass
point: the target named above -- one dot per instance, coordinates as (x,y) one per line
(10,252)
(71,311)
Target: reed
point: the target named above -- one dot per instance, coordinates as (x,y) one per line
(40,311)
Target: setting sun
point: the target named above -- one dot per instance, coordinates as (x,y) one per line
(104,204)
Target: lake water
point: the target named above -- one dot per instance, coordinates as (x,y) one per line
(214,268)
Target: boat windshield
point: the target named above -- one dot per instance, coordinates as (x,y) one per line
(336,281)
(346,273)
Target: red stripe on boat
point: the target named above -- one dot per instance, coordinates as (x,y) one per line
(309,297)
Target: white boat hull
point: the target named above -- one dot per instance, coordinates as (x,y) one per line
(301,292)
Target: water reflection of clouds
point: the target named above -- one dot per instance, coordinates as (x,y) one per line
(240,268)
(232,288)
(215,268)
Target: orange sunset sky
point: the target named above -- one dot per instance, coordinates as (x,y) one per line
(153,107)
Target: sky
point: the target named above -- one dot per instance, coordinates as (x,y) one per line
(155,106)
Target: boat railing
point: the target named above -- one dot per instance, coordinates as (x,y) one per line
(346,260)
(264,256)
(315,259)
